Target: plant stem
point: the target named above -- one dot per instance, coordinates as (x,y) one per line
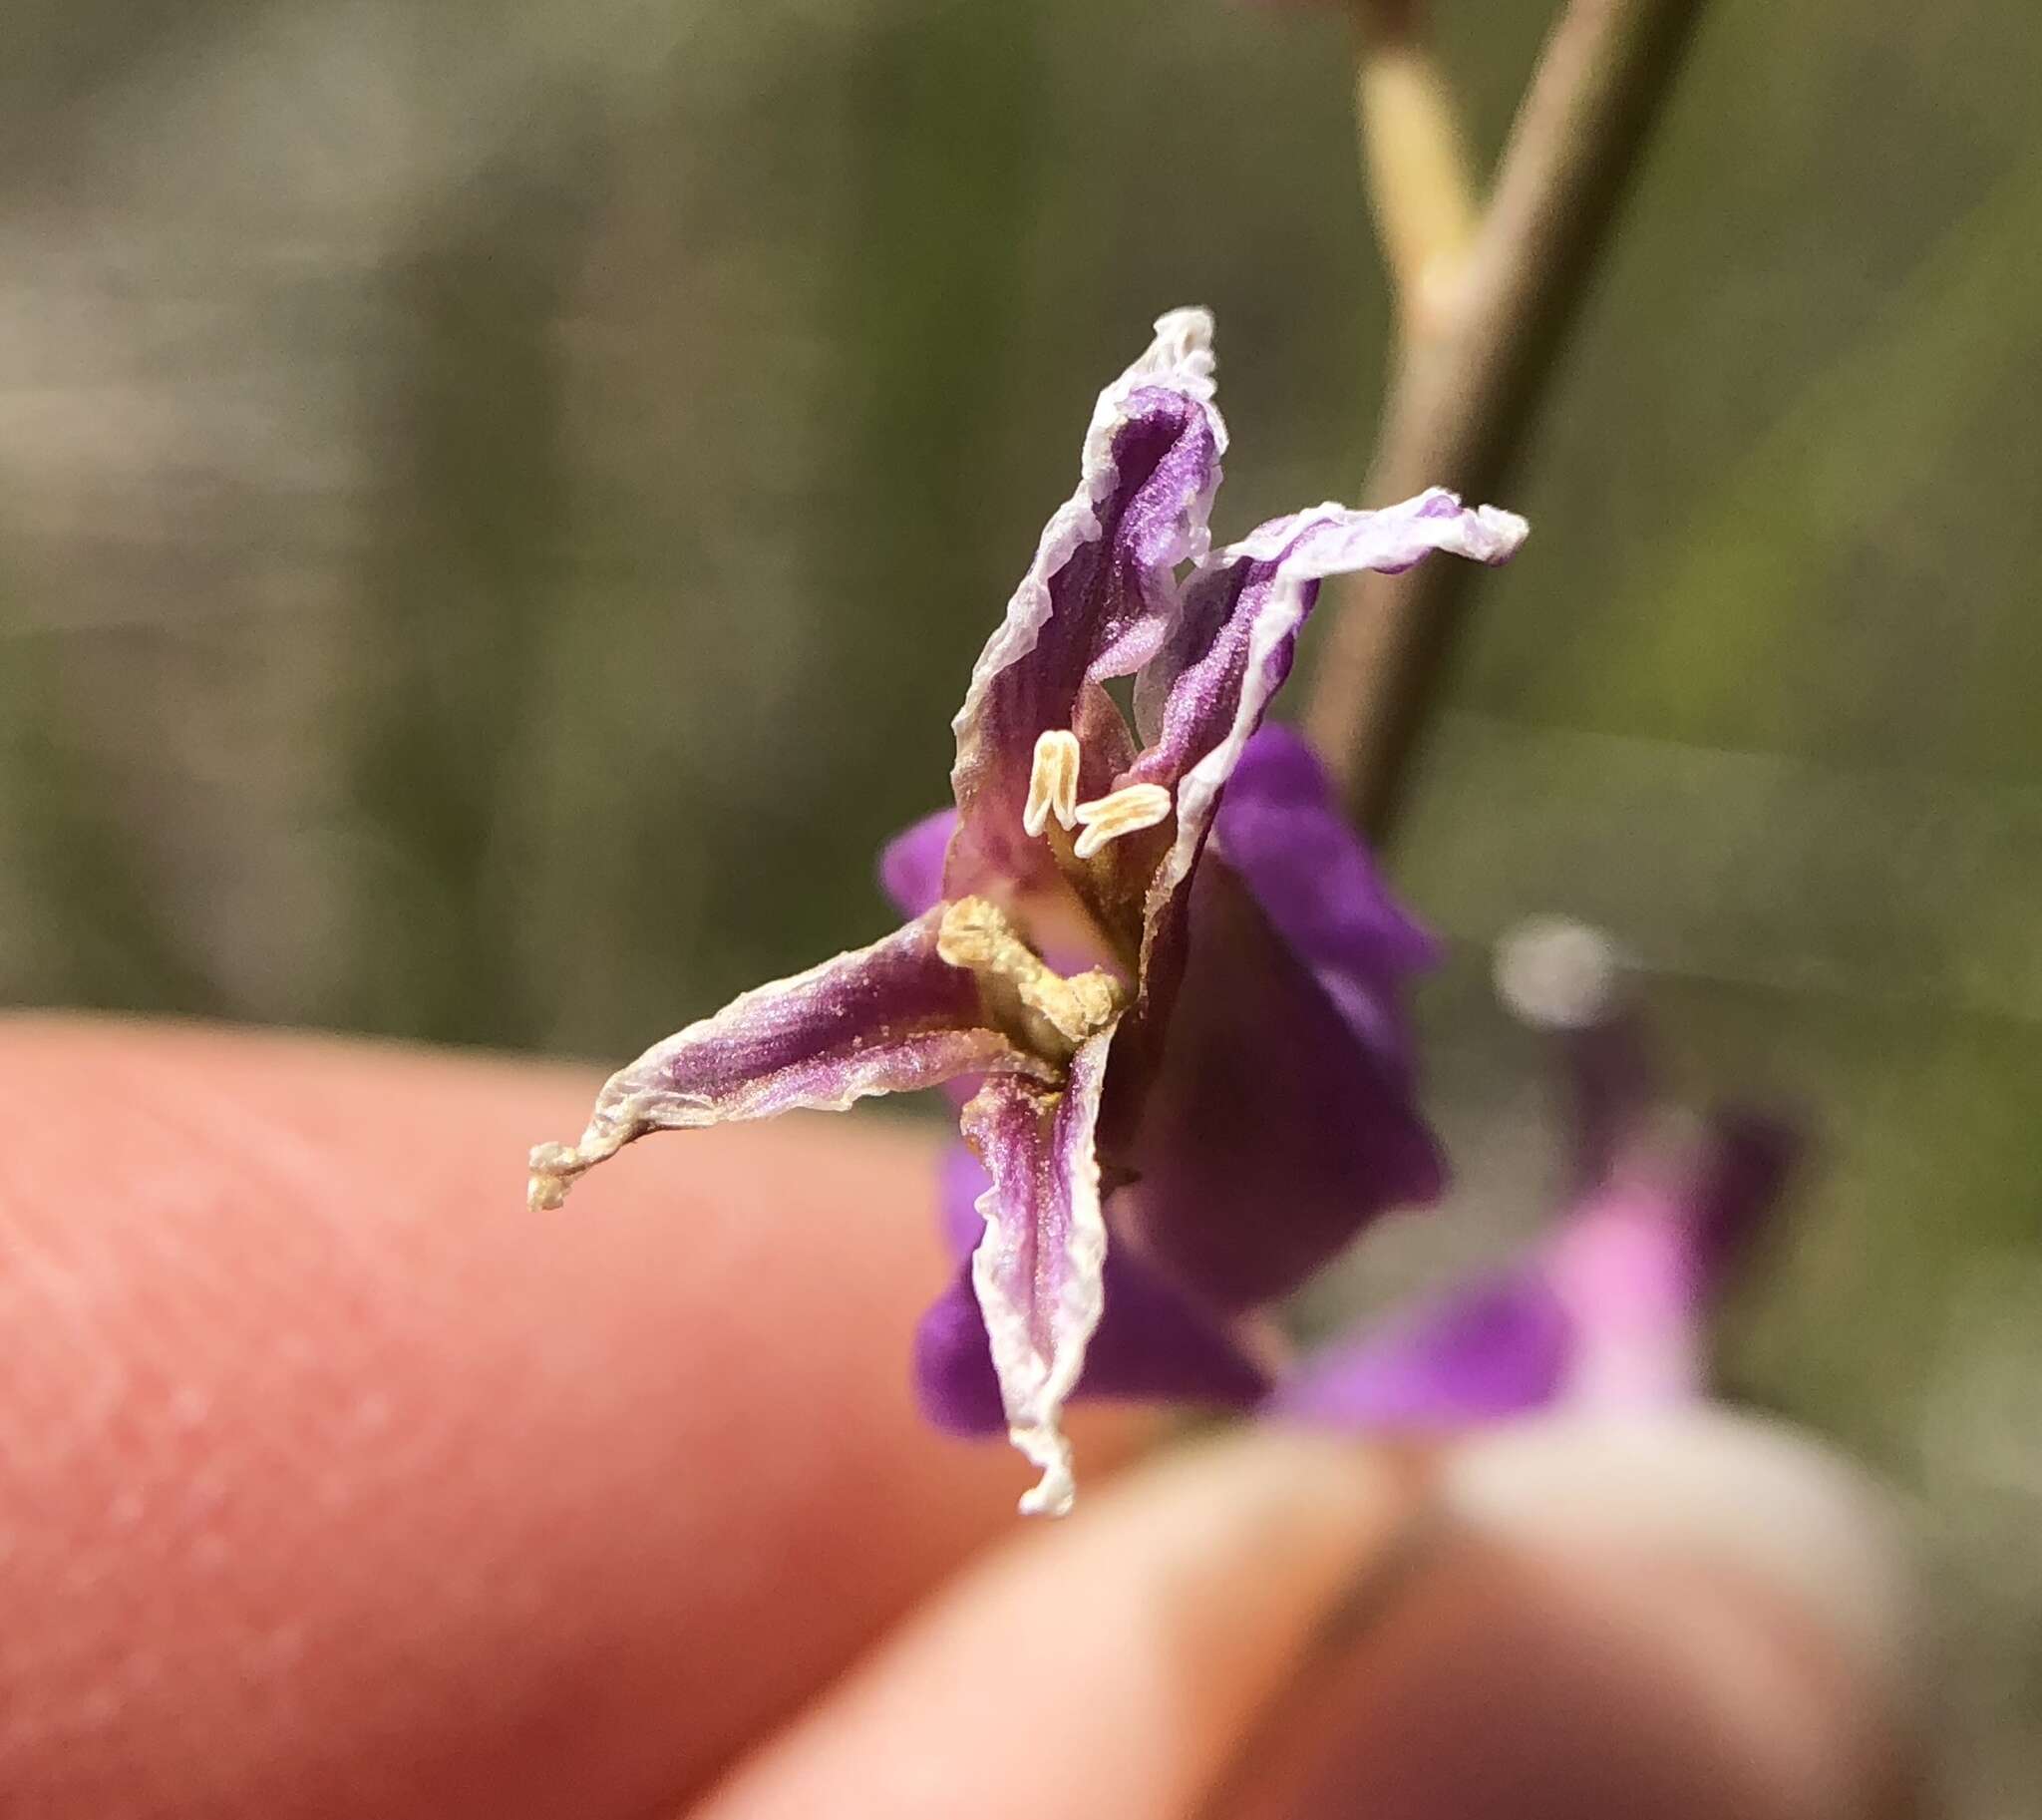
(1474,356)
(1414,163)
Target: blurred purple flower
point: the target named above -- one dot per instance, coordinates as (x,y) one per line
(1611,1310)
(1188,1007)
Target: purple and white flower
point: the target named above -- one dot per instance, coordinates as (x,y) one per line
(1150,958)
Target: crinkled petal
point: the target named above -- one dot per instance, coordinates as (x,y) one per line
(1492,1348)
(1279,827)
(1099,598)
(889,1018)
(1231,649)
(1264,1133)
(1152,1344)
(1038,1271)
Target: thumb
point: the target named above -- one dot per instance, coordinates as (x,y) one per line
(1681,1620)
(1691,1618)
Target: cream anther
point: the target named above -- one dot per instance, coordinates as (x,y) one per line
(1126,811)
(1052,782)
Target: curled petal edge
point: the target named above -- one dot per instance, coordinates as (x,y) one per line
(1305,548)
(1180,362)
(1038,1271)
(893,1017)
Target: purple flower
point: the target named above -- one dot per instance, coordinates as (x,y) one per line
(1611,1309)
(1147,998)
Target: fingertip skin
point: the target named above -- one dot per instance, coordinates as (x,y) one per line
(1100,1669)
(1692,1615)
(333,1480)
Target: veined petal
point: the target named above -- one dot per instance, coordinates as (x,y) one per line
(1496,1347)
(1230,650)
(1038,1271)
(889,1018)
(1099,597)
(1154,1342)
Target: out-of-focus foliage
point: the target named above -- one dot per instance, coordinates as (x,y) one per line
(496,507)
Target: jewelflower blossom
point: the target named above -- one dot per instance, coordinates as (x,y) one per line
(1156,968)
(1609,1312)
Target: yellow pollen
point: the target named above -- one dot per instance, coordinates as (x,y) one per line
(1126,811)
(1052,782)
(1055,1014)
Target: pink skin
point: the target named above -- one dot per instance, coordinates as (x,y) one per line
(332,1483)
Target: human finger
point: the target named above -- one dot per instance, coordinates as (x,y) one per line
(1285,1629)
(333,1481)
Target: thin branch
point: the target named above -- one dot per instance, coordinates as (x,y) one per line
(1414,162)
(1472,363)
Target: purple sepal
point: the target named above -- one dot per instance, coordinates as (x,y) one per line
(912,864)
(1268,1135)
(955,1384)
(1496,1347)
(1610,1312)
(1280,829)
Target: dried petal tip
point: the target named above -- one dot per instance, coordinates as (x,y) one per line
(1056,1490)
(1554,974)
(1496,534)
(555,1166)
(1181,356)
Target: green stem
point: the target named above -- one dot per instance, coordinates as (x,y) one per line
(1473,364)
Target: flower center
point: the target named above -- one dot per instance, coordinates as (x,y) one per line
(1022,992)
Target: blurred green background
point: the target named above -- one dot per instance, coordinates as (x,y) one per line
(496,507)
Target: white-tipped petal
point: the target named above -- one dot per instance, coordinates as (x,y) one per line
(1038,1271)
(889,1018)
